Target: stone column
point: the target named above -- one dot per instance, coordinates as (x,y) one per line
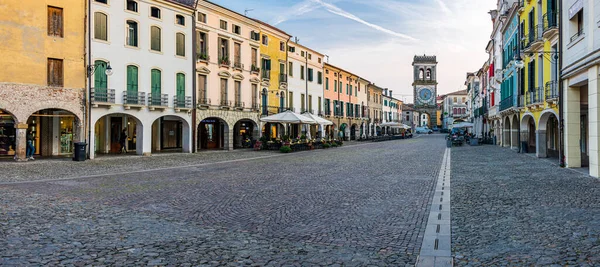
(594,121)
(21,142)
(514,138)
(572,130)
(144,139)
(541,144)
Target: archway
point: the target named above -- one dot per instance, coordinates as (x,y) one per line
(213,134)
(108,135)
(245,132)
(528,133)
(54,131)
(171,134)
(514,132)
(8,134)
(343,134)
(353,131)
(378,131)
(506,135)
(548,135)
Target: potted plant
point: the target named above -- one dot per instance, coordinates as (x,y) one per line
(285,149)
(224,61)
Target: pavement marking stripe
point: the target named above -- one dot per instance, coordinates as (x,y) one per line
(436,245)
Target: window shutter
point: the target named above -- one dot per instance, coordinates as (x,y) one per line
(268,64)
(100,80)
(180,85)
(180,44)
(156,82)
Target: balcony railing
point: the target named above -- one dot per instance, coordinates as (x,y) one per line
(521,102)
(255,106)
(102,96)
(551,91)
(282,78)
(182,102)
(254,69)
(237,64)
(134,98)
(266,74)
(535,96)
(225,103)
(204,101)
(158,100)
(550,20)
(537,35)
(203,56)
(224,61)
(239,104)
(506,103)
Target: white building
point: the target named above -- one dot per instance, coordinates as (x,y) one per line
(305,82)
(148,45)
(455,108)
(580,88)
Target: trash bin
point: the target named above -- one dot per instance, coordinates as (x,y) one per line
(79,154)
(448,142)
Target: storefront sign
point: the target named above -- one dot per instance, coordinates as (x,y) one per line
(208,121)
(576,7)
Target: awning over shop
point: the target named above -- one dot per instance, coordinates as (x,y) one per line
(288,117)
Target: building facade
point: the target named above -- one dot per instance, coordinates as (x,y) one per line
(305,84)
(148,98)
(42,88)
(454,108)
(509,92)
(375,113)
(425,86)
(580,90)
(227,78)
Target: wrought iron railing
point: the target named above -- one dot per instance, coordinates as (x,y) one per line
(134,98)
(266,74)
(550,20)
(507,103)
(103,95)
(551,90)
(282,78)
(158,100)
(181,101)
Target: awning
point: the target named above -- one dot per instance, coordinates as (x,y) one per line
(288,117)
(318,119)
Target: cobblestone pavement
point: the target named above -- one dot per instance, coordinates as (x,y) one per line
(360,205)
(512,209)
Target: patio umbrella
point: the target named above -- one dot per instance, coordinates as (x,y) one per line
(318,119)
(288,117)
(463,125)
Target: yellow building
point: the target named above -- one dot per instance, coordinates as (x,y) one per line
(43,78)
(273,69)
(539,76)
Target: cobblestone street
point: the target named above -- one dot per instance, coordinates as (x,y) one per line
(355,205)
(511,209)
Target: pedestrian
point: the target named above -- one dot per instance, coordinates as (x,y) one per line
(123,140)
(30,149)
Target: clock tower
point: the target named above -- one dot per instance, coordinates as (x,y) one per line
(425,87)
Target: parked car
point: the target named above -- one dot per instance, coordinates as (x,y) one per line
(423,130)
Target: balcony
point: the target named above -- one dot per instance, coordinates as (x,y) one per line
(182,103)
(507,103)
(239,105)
(254,69)
(551,91)
(550,24)
(534,98)
(282,78)
(237,64)
(526,41)
(521,5)
(521,103)
(224,62)
(102,97)
(224,104)
(203,57)
(266,75)
(255,107)
(158,101)
(538,38)
(203,103)
(134,99)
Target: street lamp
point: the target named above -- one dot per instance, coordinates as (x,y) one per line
(91,69)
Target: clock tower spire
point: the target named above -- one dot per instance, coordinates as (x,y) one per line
(425,86)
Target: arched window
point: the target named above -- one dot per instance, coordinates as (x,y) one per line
(100,26)
(132,33)
(428,75)
(155,39)
(180,44)
(454,111)
(132,5)
(421,73)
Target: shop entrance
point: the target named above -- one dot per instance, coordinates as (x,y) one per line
(7,134)
(108,133)
(54,132)
(245,132)
(213,134)
(169,134)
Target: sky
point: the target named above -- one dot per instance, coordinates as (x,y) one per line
(377,39)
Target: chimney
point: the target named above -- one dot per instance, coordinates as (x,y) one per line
(391,95)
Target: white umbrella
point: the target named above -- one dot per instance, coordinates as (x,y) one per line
(288,117)
(318,119)
(463,125)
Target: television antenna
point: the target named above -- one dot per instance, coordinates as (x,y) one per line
(246,11)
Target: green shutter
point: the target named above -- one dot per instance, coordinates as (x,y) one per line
(100,79)
(155,83)
(180,86)
(132,79)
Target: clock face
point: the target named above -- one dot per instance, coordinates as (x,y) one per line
(425,95)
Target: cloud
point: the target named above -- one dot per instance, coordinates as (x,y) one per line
(310,5)
(444,7)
